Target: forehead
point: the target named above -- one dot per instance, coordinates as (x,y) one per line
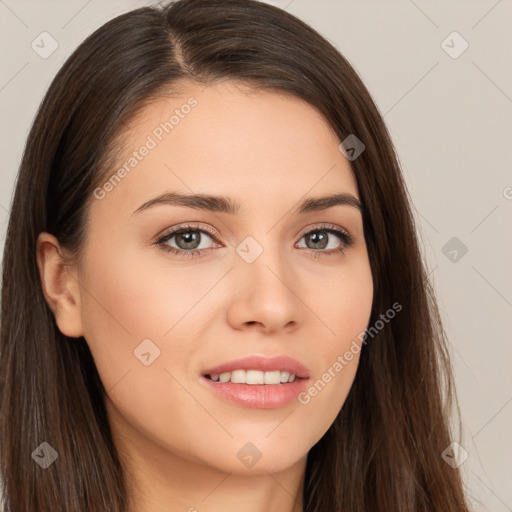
(229,139)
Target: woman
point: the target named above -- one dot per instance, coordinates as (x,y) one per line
(213,296)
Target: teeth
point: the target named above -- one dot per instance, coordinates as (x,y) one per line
(238,376)
(272,377)
(254,377)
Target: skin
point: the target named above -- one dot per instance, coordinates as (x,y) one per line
(179,441)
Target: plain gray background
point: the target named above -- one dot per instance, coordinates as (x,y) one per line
(449,113)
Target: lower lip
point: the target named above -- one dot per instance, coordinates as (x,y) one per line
(258,396)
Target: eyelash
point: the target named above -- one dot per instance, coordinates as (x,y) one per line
(345,238)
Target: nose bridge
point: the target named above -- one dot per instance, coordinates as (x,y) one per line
(261,257)
(265,282)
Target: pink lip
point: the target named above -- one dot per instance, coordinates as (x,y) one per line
(264,364)
(261,396)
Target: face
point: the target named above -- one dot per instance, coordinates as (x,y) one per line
(159,309)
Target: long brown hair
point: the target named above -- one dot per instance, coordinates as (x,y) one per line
(383,451)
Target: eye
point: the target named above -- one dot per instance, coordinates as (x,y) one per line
(188,240)
(319,238)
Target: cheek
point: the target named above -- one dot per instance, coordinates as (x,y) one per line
(125,303)
(136,293)
(132,309)
(346,311)
(346,304)
(137,296)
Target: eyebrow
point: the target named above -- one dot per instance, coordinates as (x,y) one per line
(221,204)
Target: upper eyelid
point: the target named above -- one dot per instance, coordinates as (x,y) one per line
(172,232)
(326,226)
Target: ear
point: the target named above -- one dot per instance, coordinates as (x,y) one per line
(60,286)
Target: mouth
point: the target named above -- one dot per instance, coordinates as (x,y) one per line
(254,377)
(256,382)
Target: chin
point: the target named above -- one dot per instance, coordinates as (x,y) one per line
(251,458)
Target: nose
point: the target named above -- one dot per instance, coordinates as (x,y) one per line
(266,295)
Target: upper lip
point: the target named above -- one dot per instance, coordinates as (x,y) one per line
(264,364)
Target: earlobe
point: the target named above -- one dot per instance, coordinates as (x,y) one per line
(60,286)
